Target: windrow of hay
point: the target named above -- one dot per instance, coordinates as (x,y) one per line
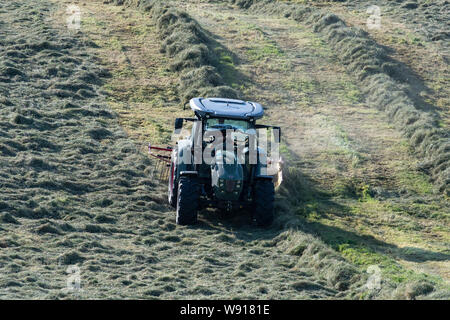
(382,80)
(315,255)
(190,48)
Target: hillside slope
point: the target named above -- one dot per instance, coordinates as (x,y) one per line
(79,107)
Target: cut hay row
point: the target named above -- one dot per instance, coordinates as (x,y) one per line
(189,46)
(382,80)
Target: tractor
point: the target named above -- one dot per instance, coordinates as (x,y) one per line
(223,163)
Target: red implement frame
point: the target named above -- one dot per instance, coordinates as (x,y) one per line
(163,164)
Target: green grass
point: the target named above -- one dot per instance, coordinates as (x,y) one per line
(261,52)
(302,85)
(227,68)
(344,228)
(416,182)
(364,257)
(354,246)
(422,210)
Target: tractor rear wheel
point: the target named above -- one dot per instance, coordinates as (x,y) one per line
(263,198)
(187,200)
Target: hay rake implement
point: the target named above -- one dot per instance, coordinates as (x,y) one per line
(162,167)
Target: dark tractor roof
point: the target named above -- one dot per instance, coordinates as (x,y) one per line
(226,108)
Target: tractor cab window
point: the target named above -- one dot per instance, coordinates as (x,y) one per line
(220,123)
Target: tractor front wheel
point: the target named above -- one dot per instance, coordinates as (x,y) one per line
(263,198)
(187,200)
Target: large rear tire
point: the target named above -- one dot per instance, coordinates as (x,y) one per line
(263,198)
(187,200)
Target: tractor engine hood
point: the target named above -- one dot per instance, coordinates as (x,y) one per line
(227,176)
